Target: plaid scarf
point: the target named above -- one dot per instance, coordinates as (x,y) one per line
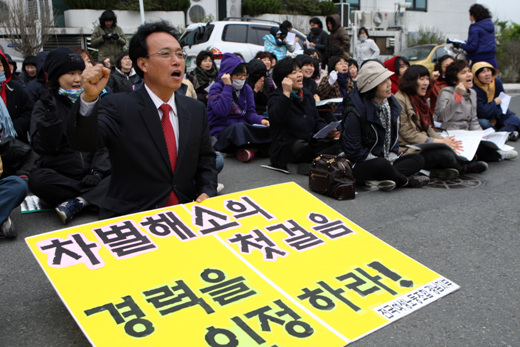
(383,111)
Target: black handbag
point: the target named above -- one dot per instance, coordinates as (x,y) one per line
(332,176)
(13,151)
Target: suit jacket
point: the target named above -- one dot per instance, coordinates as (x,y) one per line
(142,179)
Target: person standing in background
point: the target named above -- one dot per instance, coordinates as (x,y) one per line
(108,38)
(365,48)
(481,45)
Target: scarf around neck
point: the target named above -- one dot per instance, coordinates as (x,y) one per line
(202,78)
(383,111)
(422,110)
(298,96)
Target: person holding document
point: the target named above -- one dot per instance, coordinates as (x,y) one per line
(294,119)
(456,108)
(370,135)
(490,106)
(416,127)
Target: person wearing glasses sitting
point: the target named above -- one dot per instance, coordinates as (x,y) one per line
(158,140)
(232,114)
(123,77)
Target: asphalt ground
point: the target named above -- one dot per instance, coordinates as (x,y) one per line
(469,234)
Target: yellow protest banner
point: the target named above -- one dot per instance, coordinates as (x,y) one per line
(272,265)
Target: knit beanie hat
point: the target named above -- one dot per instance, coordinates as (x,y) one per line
(62,60)
(371,74)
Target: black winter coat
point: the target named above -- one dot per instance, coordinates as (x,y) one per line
(50,141)
(20,107)
(363,132)
(291,120)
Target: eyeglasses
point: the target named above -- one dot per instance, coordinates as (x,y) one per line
(241,76)
(166,54)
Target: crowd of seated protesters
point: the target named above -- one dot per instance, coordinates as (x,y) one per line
(267,107)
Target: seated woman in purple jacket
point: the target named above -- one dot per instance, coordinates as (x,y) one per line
(231,112)
(481,45)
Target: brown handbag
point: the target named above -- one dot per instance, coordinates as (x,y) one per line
(332,176)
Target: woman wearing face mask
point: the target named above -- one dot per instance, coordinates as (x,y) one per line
(232,114)
(65,178)
(370,135)
(365,48)
(456,108)
(318,38)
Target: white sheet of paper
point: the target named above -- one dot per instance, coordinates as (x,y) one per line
(437,124)
(326,129)
(499,138)
(290,38)
(307,43)
(488,131)
(297,47)
(506,99)
(328,101)
(456,40)
(470,141)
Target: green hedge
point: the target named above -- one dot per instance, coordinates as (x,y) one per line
(303,7)
(130,5)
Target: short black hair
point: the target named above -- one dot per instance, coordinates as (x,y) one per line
(302,60)
(438,65)
(283,68)
(138,46)
(120,56)
(262,55)
(107,15)
(362,29)
(333,61)
(203,55)
(452,70)
(240,68)
(353,61)
(397,64)
(317,21)
(408,81)
(479,12)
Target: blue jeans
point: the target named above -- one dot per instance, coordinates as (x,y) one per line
(220,162)
(13,191)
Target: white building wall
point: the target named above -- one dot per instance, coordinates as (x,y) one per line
(450,17)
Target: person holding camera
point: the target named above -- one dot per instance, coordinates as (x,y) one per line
(108,38)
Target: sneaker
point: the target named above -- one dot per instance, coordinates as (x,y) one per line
(513,136)
(7,229)
(68,209)
(384,185)
(244,155)
(477,167)
(220,187)
(417,181)
(445,174)
(508,155)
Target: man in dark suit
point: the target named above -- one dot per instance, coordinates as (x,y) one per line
(142,136)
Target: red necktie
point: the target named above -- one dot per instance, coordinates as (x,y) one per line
(169,136)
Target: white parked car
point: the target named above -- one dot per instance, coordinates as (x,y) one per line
(228,36)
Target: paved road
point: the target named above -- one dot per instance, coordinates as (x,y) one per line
(469,235)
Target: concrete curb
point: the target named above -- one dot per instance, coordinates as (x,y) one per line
(512,88)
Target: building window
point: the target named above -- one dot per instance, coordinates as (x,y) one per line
(354,4)
(418,5)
